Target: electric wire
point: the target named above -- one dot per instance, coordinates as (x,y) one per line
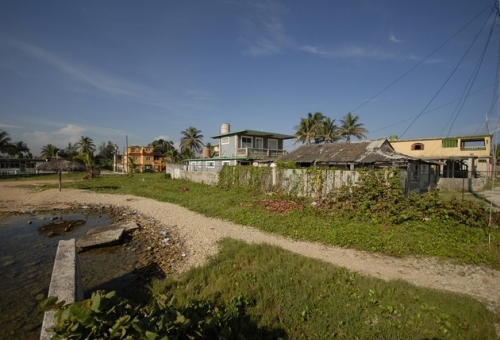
(447,79)
(421,61)
(473,77)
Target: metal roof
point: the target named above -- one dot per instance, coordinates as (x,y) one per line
(366,152)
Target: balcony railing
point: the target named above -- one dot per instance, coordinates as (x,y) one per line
(472,148)
(259,153)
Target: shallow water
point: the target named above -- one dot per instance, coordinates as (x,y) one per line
(26,261)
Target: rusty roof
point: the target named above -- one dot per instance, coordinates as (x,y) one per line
(366,152)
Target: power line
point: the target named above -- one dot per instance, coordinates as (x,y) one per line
(447,79)
(473,77)
(420,62)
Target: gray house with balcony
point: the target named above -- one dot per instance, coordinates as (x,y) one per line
(243,147)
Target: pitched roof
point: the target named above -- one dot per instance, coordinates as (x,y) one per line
(366,152)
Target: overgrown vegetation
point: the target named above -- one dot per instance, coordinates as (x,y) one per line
(430,229)
(263,292)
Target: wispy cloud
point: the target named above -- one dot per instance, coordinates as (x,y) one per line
(393,38)
(105,83)
(9,126)
(352,51)
(263,32)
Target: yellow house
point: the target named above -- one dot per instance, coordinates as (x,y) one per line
(139,159)
(463,156)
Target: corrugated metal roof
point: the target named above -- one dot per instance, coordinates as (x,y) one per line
(367,152)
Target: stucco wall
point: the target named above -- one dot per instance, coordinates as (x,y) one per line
(459,184)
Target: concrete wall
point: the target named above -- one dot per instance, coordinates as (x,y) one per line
(459,184)
(204,177)
(66,281)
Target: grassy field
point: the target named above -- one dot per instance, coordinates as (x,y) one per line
(439,238)
(291,297)
(298,298)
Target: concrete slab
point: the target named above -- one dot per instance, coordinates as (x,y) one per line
(102,239)
(66,282)
(127,226)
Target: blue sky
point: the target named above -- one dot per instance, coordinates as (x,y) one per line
(150,69)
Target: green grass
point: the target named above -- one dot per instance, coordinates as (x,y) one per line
(299,298)
(439,238)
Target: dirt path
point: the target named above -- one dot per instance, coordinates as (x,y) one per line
(200,235)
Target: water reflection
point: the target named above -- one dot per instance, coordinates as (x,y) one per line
(28,246)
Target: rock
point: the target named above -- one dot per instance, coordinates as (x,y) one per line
(127,227)
(101,239)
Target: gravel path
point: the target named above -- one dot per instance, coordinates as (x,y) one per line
(200,235)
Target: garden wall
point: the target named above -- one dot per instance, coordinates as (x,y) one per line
(459,184)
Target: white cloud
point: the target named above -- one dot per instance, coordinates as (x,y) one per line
(393,38)
(263,32)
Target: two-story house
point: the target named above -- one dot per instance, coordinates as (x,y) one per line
(463,156)
(243,147)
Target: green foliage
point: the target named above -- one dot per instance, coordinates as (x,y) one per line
(431,236)
(107,316)
(294,297)
(378,197)
(244,176)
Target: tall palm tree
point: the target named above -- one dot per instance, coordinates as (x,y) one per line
(19,149)
(351,127)
(86,147)
(329,131)
(309,128)
(173,156)
(49,151)
(191,140)
(5,143)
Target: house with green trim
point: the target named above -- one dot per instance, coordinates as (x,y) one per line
(242,147)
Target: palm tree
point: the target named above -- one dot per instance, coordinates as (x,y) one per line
(49,151)
(309,128)
(5,144)
(191,140)
(329,131)
(351,127)
(173,156)
(19,149)
(86,147)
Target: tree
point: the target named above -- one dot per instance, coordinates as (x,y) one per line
(351,127)
(49,151)
(19,149)
(86,147)
(5,142)
(329,131)
(106,155)
(173,156)
(70,151)
(191,140)
(162,145)
(310,128)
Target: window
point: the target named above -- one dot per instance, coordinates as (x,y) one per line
(417,146)
(224,140)
(211,164)
(273,144)
(192,165)
(148,158)
(246,142)
(450,143)
(259,143)
(228,163)
(136,158)
(137,150)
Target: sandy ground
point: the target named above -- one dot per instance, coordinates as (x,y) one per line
(200,234)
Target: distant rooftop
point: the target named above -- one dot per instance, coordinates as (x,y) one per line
(255,133)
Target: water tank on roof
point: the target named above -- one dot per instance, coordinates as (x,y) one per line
(225,128)
(393,138)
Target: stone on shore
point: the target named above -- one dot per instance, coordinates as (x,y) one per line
(104,238)
(126,226)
